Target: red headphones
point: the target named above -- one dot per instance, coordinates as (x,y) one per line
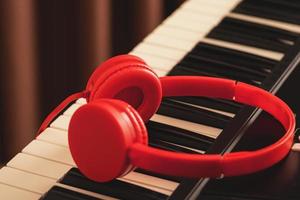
(108,138)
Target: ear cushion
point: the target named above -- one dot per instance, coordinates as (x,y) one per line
(138,123)
(100,134)
(129,79)
(139,127)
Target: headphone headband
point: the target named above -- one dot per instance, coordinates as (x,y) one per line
(230,164)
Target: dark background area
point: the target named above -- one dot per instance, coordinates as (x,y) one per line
(48,49)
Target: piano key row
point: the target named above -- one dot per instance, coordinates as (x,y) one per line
(164,46)
(47,162)
(51,150)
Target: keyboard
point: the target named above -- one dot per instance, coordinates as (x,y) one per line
(256,42)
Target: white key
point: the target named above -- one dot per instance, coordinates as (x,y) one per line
(62,122)
(49,151)
(206,9)
(13,193)
(170,42)
(54,136)
(215,3)
(267,22)
(160,51)
(252,50)
(162,64)
(39,166)
(72,109)
(89,193)
(182,14)
(166,186)
(198,27)
(296,147)
(190,126)
(81,101)
(177,33)
(160,73)
(25,180)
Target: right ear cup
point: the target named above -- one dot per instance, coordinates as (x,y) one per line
(100,134)
(129,79)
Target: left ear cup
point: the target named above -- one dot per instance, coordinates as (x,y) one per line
(100,134)
(108,64)
(129,79)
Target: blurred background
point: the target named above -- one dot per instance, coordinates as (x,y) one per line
(48,49)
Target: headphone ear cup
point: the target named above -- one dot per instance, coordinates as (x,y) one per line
(100,134)
(107,64)
(129,79)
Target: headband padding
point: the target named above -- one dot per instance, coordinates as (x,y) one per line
(108,64)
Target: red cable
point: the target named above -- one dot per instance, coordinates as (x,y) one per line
(60,107)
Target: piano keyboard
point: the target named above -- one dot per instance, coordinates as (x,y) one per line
(221,38)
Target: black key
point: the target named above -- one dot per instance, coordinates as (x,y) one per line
(245,60)
(286,11)
(294,3)
(213,65)
(191,113)
(215,68)
(297,135)
(58,193)
(218,104)
(171,178)
(160,144)
(164,132)
(224,63)
(116,188)
(232,66)
(252,34)
(194,64)
(183,71)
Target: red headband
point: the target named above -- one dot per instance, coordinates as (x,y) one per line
(230,164)
(108,138)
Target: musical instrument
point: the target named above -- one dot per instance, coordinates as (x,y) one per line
(252,41)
